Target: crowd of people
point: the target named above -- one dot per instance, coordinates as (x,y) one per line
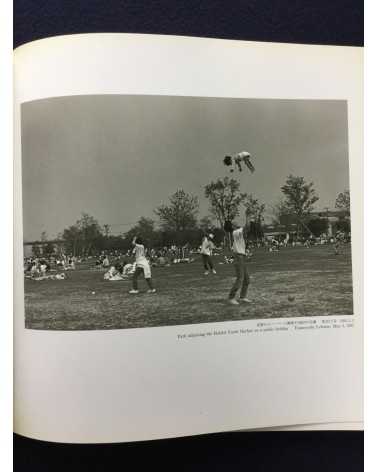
(35,267)
(139,259)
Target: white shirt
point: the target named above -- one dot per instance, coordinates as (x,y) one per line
(206,247)
(141,260)
(139,253)
(238,245)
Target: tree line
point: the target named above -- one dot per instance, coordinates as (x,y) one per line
(178,222)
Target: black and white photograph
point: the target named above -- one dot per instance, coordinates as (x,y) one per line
(149,211)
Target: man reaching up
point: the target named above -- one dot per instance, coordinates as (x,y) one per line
(239,236)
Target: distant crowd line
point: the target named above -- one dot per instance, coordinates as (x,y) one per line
(121,263)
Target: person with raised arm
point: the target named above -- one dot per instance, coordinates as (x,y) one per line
(142,266)
(239,236)
(207,247)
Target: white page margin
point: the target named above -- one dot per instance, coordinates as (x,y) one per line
(97,386)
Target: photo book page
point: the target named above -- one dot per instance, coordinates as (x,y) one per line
(188,237)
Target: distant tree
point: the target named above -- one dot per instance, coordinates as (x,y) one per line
(145,228)
(299,198)
(36,250)
(254,210)
(180,214)
(280,213)
(106,230)
(225,198)
(59,246)
(84,237)
(44,236)
(343,225)
(343,202)
(113,243)
(317,226)
(219,237)
(206,224)
(90,232)
(48,249)
(72,240)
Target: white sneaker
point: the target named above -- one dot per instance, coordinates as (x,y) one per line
(245,300)
(232,301)
(151,290)
(214,271)
(134,291)
(206,273)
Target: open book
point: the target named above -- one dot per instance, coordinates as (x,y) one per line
(188,252)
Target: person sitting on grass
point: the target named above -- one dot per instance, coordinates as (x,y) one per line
(128,269)
(229,259)
(44,267)
(106,262)
(337,241)
(34,271)
(142,267)
(113,274)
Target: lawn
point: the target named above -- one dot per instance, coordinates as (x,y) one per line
(320,281)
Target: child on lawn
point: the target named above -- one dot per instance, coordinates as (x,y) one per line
(142,266)
(206,251)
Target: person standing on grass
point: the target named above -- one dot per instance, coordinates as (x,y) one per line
(142,266)
(239,236)
(206,251)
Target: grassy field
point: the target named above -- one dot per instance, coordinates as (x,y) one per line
(320,281)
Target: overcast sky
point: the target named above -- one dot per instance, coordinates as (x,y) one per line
(118,157)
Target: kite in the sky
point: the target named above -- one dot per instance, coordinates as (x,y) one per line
(238,159)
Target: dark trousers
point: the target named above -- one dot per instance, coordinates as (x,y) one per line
(137,273)
(242,277)
(207,262)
